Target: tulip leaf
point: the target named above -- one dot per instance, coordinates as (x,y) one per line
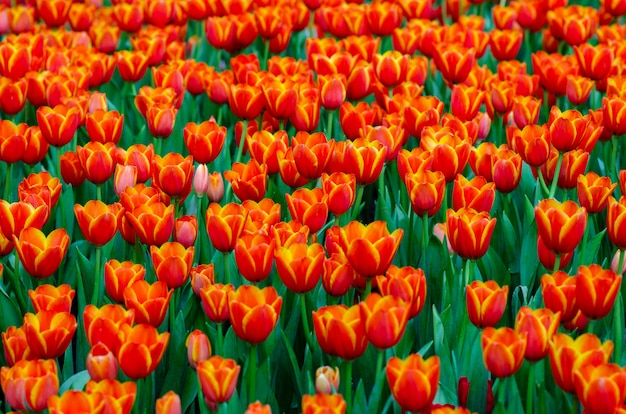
(294,363)
(176,357)
(592,248)
(231,347)
(10,313)
(86,266)
(75,382)
(528,260)
(360,399)
(442,349)
(492,267)
(190,390)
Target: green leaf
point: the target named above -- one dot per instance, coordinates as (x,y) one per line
(176,357)
(11,315)
(442,349)
(294,363)
(75,382)
(360,399)
(593,246)
(529,260)
(190,389)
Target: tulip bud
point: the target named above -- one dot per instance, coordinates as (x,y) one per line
(326,380)
(215,190)
(201,180)
(101,363)
(125,176)
(614,264)
(198,348)
(186,230)
(97,101)
(168,404)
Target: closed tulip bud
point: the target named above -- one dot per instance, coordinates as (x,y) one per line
(124,176)
(168,404)
(218,379)
(101,363)
(596,290)
(186,230)
(198,348)
(201,276)
(539,325)
(486,302)
(201,180)
(327,380)
(258,408)
(503,350)
(568,355)
(214,299)
(413,381)
(215,189)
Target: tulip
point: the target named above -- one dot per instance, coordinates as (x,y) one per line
(258,408)
(390,68)
(98,221)
(41,255)
(105,324)
(596,290)
(311,152)
(149,301)
(426,191)
(476,193)
(14,217)
(323,403)
(120,395)
(616,214)
(338,275)
(254,312)
(600,388)
(340,190)
(12,140)
(152,222)
(248,181)
(141,350)
(198,348)
(469,232)
(454,62)
(202,276)
(119,275)
(52,298)
(139,156)
(594,191)
(72,401)
(539,325)
(172,263)
(300,265)
(568,355)
(384,318)
(214,299)
(49,333)
(560,225)
(104,126)
(225,224)
(124,176)
(486,302)
(559,294)
(370,249)
(58,125)
(364,159)
(254,255)
(339,331)
(406,283)
(326,380)
(503,350)
(413,381)
(186,230)
(218,379)
(308,207)
(173,175)
(28,384)
(101,363)
(15,346)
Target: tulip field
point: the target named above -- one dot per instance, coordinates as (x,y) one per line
(312,206)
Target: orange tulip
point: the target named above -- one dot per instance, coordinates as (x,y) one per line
(72,401)
(13,94)
(58,125)
(117,394)
(332,91)
(469,232)
(505,44)
(104,126)
(426,191)
(254,312)
(119,275)
(339,331)
(280,99)
(406,283)
(308,207)
(354,118)
(265,148)
(574,164)
(52,298)
(186,230)
(594,61)
(559,294)
(382,19)
(364,159)
(575,24)
(450,152)
(616,214)
(97,160)
(567,130)
(338,275)
(15,345)
(300,265)
(503,350)
(140,156)
(465,101)
(600,388)
(248,181)
(594,191)
(104,324)
(254,255)
(613,112)
(539,325)
(258,408)
(204,141)
(37,147)
(413,381)
(98,221)
(41,255)
(340,190)
(596,290)
(246,101)
(172,263)
(218,379)
(152,222)
(384,319)
(532,143)
(311,152)
(390,68)
(454,62)
(28,384)
(578,89)
(486,302)
(101,363)
(560,225)
(323,403)
(149,301)
(225,224)
(132,64)
(173,175)
(568,355)
(49,333)
(370,249)
(476,193)
(214,299)
(141,350)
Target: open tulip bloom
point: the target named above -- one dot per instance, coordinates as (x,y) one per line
(229,206)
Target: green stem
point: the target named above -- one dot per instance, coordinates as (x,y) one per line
(137,253)
(618,328)
(329,126)
(252,373)
(203,408)
(158,145)
(218,59)
(381,206)
(96,297)
(8,183)
(368,287)
(379,361)
(557,263)
(530,390)
(425,239)
(198,244)
(347,384)
(305,322)
(242,142)
(19,291)
(467,273)
(357,203)
(173,308)
(266,54)
(581,259)
(614,160)
(220,339)
(620,265)
(99,192)
(336,221)
(226,268)
(541,182)
(555,178)
(410,233)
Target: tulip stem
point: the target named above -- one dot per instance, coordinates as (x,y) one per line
(19,292)
(99,192)
(242,141)
(555,178)
(424,239)
(530,390)
(467,274)
(305,321)
(96,297)
(158,144)
(7,183)
(226,269)
(266,54)
(581,258)
(357,203)
(220,339)
(201,403)
(410,233)
(329,125)
(618,328)
(557,263)
(347,383)
(252,373)
(368,287)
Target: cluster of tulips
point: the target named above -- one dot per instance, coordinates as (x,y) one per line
(219,205)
